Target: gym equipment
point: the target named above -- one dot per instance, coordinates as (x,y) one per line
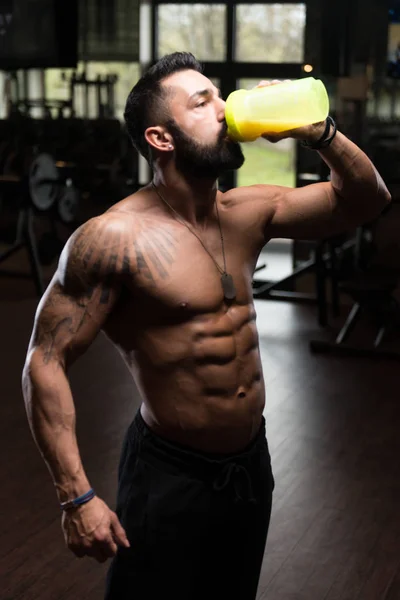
(49,192)
(372,288)
(63,108)
(43,182)
(42,192)
(45,188)
(323,265)
(68,202)
(104,88)
(25,238)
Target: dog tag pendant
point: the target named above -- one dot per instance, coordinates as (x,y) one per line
(228,286)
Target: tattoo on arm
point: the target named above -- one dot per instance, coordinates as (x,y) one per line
(54,330)
(48,338)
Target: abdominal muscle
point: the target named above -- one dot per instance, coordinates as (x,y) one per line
(201,381)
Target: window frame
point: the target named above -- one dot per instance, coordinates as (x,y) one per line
(230,71)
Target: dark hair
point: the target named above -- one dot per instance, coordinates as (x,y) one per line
(146,103)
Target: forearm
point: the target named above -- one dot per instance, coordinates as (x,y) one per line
(51,414)
(355,180)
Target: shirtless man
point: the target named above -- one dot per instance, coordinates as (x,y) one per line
(166,273)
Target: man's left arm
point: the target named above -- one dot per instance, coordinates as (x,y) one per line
(356,193)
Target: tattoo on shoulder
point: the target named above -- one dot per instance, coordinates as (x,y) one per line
(154,253)
(100,254)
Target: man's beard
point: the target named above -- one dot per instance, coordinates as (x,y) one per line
(205,161)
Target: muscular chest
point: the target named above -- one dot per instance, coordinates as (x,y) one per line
(176,271)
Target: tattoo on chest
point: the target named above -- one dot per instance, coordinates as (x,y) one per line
(153,255)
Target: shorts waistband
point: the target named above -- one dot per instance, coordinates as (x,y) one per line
(223,472)
(185,458)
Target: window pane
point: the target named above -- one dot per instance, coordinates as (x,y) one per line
(127,75)
(271,33)
(265,162)
(196,28)
(58,88)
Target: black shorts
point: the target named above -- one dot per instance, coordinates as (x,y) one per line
(197,523)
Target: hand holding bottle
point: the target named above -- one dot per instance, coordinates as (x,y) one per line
(308,132)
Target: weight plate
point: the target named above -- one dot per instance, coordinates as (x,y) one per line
(68,203)
(43,182)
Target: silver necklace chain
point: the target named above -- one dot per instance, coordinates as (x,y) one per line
(179,218)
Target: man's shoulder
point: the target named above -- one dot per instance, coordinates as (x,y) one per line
(97,232)
(250,206)
(116,220)
(102,245)
(245,195)
(134,204)
(96,247)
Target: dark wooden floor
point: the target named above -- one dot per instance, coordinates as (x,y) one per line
(334,431)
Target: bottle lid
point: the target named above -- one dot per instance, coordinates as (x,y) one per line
(233,130)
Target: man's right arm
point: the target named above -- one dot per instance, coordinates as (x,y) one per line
(71,313)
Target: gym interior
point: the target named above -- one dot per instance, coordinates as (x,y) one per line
(328,312)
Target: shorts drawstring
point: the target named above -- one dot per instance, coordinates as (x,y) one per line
(240,474)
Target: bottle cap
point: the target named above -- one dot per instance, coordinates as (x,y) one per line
(230,111)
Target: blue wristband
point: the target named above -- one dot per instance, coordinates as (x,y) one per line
(78,501)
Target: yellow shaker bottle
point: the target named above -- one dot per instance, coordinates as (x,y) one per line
(275,108)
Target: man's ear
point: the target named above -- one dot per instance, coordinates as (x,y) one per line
(158,138)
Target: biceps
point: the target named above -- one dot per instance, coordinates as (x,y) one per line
(65,325)
(310,212)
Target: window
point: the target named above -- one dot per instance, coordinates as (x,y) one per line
(196,28)
(266,162)
(57,84)
(127,74)
(270,33)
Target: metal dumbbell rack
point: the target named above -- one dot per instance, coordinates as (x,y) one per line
(104,88)
(42,192)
